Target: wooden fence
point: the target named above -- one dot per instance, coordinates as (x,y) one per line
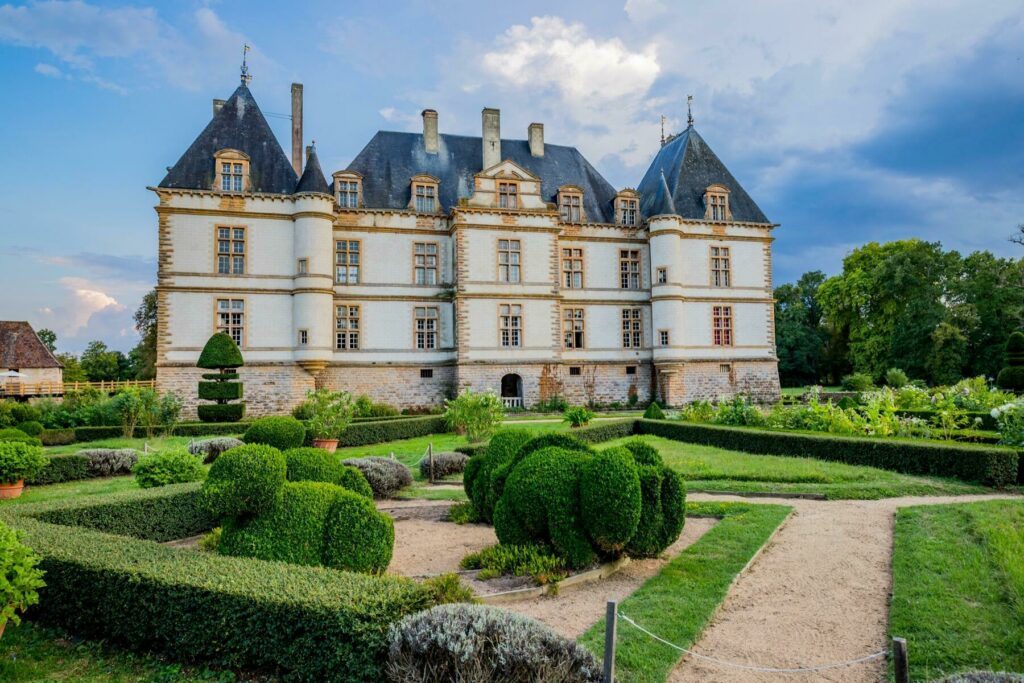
(12,388)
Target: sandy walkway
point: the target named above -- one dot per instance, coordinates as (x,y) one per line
(817,594)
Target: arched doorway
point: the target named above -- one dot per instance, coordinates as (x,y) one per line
(512,391)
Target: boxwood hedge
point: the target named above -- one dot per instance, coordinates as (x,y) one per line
(365,433)
(62,468)
(107,580)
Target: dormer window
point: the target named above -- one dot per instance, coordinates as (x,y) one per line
(348,189)
(570,204)
(716,203)
(231,171)
(424,194)
(627,208)
(508,194)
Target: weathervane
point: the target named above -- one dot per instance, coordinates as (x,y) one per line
(246,78)
(689,110)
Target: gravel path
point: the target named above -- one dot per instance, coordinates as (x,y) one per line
(817,594)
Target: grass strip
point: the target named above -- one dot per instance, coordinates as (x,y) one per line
(680,600)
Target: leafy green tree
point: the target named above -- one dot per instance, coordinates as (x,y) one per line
(49,339)
(100,364)
(800,338)
(72,368)
(945,365)
(143,356)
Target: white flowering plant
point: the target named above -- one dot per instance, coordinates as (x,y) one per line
(1010,417)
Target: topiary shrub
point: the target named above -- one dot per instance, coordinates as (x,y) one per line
(109,462)
(644,453)
(211,449)
(16,435)
(663,506)
(479,470)
(500,473)
(358,538)
(1011,377)
(281,432)
(21,578)
(19,461)
(353,480)
(478,643)
(247,479)
(385,476)
(312,464)
(654,412)
(610,502)
(443,465)
(31,428)
(222,354)
(168,467)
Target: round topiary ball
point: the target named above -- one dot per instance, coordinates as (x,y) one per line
(663,511)
(500,473)
(357,537)
(502,448)
(644,453)
(353,480)
(654,412)
(220,351)
(1011,378)
(32,428)
(312,464)
(282,432)
(247,479)
(610,499)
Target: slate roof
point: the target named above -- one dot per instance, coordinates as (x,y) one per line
(312,179)
(391,159)
(21,347)
(681,172)
(238,125)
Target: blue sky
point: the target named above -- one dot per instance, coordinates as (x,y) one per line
(847,122)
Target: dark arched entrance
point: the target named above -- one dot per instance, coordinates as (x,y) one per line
(512,391)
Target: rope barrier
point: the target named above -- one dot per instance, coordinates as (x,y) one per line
(748,667)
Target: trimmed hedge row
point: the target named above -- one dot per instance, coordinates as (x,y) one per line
(365,433)
(984,464)
(59,436)
(62,468)
(292,622)
(987,421)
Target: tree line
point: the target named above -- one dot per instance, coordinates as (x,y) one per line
(935,314)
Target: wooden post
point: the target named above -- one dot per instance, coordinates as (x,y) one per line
(610,627)
(899,660)
(430,456)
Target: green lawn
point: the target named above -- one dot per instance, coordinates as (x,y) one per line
(156,443)
(958,587)
(679,602)
(714,469)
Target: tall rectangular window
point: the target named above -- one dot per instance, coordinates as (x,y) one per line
(303,337)
(629,212)
(663,337)
(632,328)
(510,325)
(231,176)
(629,269)
(509,260)
(717,205)
(571,208)
(348,194)
(508,195)
(231,318)
(346,327)
(662,276)
(426,196)
(721,267)
(347,261)
(572,328)
(425,263)
(230,251)
(572,268)
(302,266)
(721,325)
(426,327)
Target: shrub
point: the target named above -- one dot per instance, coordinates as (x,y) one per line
(211,541)
(20,461)
(132,404)
(108,462)
(442,465)
(353,480)
(281,432)
(220,391)
(858,381)
(535,561)
(477,478)
(57,437)
(385,476)
(366,407)
(168,412)
(738,411)
(552,404)
(31,428)
(211,449)
(21,577)
(365,433)
(25,412)
(329,413)
(475,415)
(17,436)
(609,491)
(358,537)
(247,479)
(222,354)
(168,467)
(1010,419)
(663,507)
(60,468)
(500,473)
(1011,377)
(312,464)
(654,412)
(446,589)
(221,412)
(896,378)
(462,513)
(578,416)
(479,643)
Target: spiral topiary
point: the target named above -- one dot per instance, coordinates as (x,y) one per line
(220,353)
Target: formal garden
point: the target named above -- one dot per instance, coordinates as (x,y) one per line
(350,542)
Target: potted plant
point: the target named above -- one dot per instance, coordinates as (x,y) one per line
(18,462)
(330,412)
(20,577)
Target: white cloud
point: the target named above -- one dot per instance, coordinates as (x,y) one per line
(48,70)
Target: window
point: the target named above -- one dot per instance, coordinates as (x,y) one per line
(346,189)
(425,263)
(426,197)
(721,325)
(725,367)
(572,328)
(346,260)
(508,195)
(716,203)
(717,207)
(510,325)
(426,373)
(426,327)
(663,337)
(509,253)
(575,371)
(303,337)
(346,327)
(628,212)
(632,329)
(570,207)
(231,318)
(629,269)
(662,275)
(721,267)
(230,251)
(630,369)
(231,171)
(302,266)
(572,268)
(231,176)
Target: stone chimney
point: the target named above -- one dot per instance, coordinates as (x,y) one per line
(217,106)
(536,138)
(297,128)
(491,137)
(429,130)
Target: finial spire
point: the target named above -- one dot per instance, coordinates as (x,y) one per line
(662,130)
(246,78)
(689,110)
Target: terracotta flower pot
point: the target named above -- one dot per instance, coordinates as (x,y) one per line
(329,445)
(10,490)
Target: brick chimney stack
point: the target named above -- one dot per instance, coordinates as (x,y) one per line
(491,137)
(536,137)
(430,142)
(297,128)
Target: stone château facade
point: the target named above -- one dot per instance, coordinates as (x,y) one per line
(436,262)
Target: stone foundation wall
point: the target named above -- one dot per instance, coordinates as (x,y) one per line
(399,386)
(270,389)
(597,383)
(683,383)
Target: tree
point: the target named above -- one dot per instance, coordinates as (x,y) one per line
(49,339)
(949,350)
(799,336)
(72,368)
(1018,237)
(143,356)
(100,364)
